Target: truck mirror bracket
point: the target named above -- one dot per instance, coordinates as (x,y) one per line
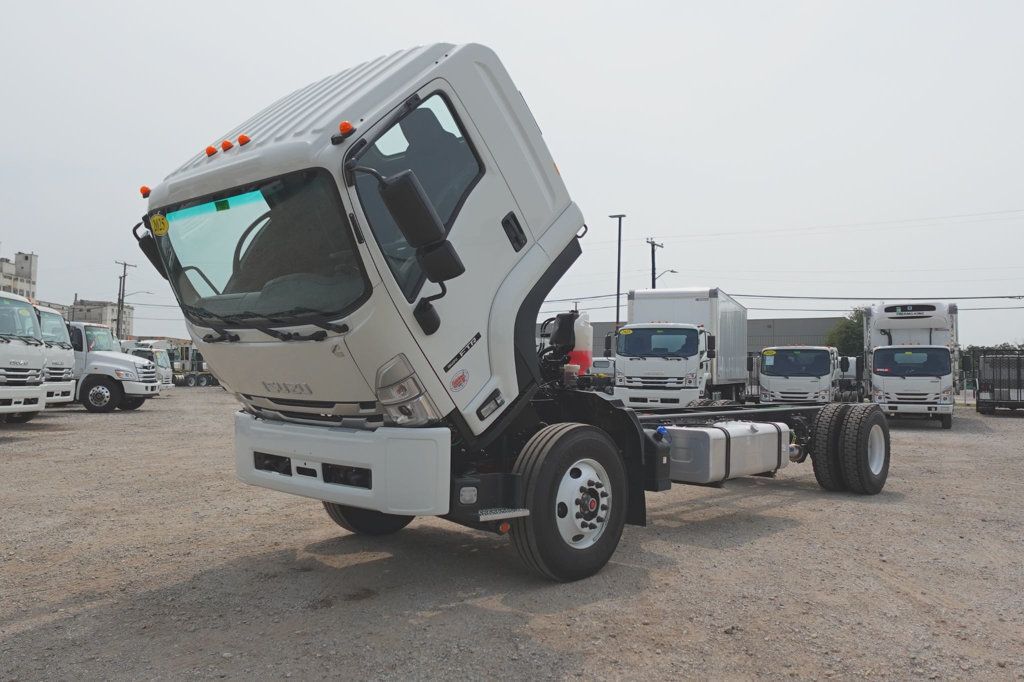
(426,314)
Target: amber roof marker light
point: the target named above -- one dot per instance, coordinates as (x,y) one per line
(211,150)
(144,191)
(243,140)
(345,129)
(226,145)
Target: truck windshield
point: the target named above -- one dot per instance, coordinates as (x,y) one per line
(657,342)
(53,327)
(161,359)
(907,362)
(795,362)
(279,251)
(99,338)
(18,318)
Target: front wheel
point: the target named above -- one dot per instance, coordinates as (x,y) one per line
(947,421)
(575,489)
(101,394)
(21,417)
(366,521)
(129,404)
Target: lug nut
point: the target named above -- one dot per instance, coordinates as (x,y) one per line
(583,488)
(604,507)
(590,483)
(600,519)
(579,515)
(604,494)
(598,485)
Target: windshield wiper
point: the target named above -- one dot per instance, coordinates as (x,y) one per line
(288,336)
(320,320)
(30,340)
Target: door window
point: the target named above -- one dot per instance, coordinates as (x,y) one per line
(431,143)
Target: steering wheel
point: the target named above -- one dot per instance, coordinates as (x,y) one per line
(236,261)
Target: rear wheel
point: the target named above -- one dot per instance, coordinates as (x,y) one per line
(204,381)
(864,449)
(947,421)
(575,489)
(366,521)
(129,404)
(825,446)
(21,417)
(190,380)
(101,394)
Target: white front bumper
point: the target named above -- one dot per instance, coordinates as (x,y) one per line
(138,389)
(640,398)
(14,399)
(58,392)
(410,467)
(897,409)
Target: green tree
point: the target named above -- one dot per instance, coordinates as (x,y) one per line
(848,334)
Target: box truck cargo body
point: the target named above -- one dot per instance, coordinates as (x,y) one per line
(681,345)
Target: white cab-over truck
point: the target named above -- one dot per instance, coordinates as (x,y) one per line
(154,350)
(912,358)
(107,378)
(362,265)
(22,357)
(801,374)
(679,346)
(59,368)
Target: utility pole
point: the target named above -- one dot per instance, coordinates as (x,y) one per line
(654,268)
(120,293)
(618,270)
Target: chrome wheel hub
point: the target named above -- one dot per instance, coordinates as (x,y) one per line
(582,503)
(99,395)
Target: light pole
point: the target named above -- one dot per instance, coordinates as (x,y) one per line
(654,246)
(120,309)
(665,272)
(618,270)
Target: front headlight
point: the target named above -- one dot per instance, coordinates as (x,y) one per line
(765,394)
(124,375)
(877,396)
(620,380)
(946,396)
(402,396)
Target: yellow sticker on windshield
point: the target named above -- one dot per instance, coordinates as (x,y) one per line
(769,352)
(158,224)
(23,312)
(625,331)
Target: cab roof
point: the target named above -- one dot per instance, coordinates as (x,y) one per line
(16,297)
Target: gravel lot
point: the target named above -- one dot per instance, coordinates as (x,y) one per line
(128,550)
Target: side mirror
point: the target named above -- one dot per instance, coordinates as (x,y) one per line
(608,345)
(712,353)
(844,364)
(408,204)
(711,345)
(750,363)
(439,261)
(147,244)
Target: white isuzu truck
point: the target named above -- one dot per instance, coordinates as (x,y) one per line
(679,346)
(912,358)
(154,350)
(59,374)
(107,378)
(801,374)
(363,264)
(22,356)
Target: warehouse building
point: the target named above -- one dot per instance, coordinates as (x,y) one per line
(19,276)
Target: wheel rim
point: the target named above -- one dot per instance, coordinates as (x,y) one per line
(583,503)
(876,449)
(99,395)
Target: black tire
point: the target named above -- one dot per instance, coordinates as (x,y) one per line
(190,381)
(203,381)
(101,394)
(947,421)
(864,430)
(21,417)
(128,403)
(366,521)
(825,446)
(548,458)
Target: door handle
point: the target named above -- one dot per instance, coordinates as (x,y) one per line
(514,231)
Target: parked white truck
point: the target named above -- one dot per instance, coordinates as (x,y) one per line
(59,372)
(154,350)
(107,378)
(912,358)
(679,346)
(22,356)
(801,374)
(363,266)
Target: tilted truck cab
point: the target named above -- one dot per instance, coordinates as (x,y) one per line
(362,264)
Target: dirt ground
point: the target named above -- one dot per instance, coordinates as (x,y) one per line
(128,550)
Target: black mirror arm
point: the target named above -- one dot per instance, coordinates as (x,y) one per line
(369,171)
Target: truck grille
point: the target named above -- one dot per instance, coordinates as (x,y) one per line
(911,398)
(362,415)
(147,375)
(656,383)
(795,396)
(18,376)
(59,374)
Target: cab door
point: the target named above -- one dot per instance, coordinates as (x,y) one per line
(438,141)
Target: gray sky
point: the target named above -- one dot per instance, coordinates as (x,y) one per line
(754,122)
